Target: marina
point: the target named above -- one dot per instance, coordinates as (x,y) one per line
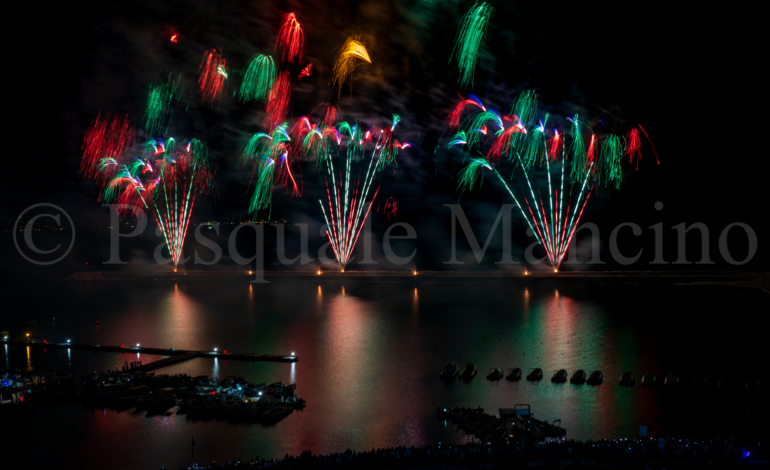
(138,391)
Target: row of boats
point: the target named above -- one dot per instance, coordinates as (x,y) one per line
(649,380)
(450,371)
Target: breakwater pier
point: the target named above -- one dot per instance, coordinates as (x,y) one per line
(174,355)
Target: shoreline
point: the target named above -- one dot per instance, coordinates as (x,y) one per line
(750,282)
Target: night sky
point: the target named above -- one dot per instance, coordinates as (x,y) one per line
(688,75)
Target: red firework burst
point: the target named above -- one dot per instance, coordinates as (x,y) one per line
(213,74)
(305,72)
(291,39)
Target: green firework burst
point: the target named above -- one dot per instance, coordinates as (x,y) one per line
(470,38)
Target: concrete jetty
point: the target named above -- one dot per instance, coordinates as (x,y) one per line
(174,355)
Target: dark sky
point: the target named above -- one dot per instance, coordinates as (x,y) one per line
(688,75)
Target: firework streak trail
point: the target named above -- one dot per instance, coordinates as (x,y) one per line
(346,205)
(346,209)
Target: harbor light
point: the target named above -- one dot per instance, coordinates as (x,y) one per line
(68,341)
(215,349)
(292,354)
(414,273)
(137,345)
(174,269)
(556,270)
(526,272)
(319,272)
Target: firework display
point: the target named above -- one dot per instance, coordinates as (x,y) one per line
(520,138)
(165,177)
(158,175)
(271,157)
(350,56)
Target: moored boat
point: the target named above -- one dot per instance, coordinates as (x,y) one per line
(513,374)
(559,376)
(649,380)
(671,381)
(627,379)
(495,374)
(596,378)
(535,374)
(578,377)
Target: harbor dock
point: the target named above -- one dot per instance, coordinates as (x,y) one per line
(174,355)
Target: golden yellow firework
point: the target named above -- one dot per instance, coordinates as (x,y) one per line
(350,56)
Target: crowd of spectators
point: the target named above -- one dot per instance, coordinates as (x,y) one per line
(641,454)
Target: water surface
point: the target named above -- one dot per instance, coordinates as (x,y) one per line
(370,355)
